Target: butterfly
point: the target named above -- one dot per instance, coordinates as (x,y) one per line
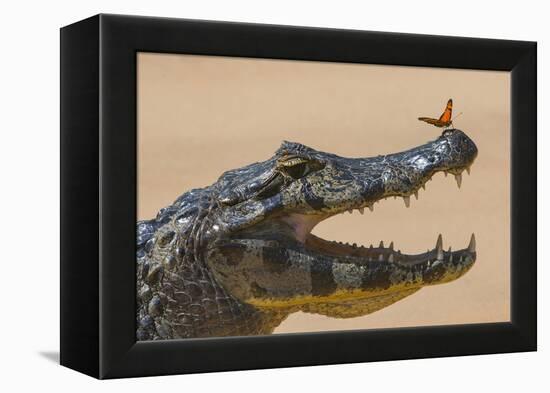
(445,119)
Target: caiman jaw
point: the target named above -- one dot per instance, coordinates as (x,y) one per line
(395,175)
(286,264)
(374,271)
(404,174)
(455,263)
(360,268)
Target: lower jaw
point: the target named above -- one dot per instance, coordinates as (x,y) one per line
(299,227)
(346,253)
(337,297)
(364,254)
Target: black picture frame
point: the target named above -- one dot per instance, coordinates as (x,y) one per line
(98,195)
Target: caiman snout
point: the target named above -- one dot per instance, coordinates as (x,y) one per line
(404,173)
(462,150)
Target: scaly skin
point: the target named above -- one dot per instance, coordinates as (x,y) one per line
(237,257)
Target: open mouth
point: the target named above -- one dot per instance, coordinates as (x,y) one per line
(434,259)
(280,245)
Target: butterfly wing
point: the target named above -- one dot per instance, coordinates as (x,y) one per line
(429,120)
(445,118)
(447,113)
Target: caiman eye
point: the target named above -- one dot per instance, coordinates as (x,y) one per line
(294,167)
(298,167)
(297,171)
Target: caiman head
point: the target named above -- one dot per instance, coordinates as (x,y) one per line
(257,240)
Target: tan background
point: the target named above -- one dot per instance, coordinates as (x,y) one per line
(200,115)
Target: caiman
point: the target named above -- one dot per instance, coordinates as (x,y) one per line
(237,257)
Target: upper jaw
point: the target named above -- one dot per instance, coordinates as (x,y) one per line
(358,183)
(403,174)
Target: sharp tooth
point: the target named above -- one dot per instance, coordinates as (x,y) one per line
(407,200)
(370,247)
(381,257)
(458,179)
(468,170)
(424,186)
(362,210)
(439,242)
(439,247)
(451,258)
(472,245)
(391,246)
(381,244)
(390,258)
(429,263)
(445,174)
(416,194)
(371,208)
(350,211)
(394,197)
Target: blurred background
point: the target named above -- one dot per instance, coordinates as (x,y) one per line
(201,115)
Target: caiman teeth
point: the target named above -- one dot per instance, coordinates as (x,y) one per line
(458,178)
(407,198)
(472,245)
(439,247)
(430,259)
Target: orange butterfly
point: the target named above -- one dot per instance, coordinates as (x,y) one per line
(445,118)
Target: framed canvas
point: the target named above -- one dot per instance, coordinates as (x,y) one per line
(208,170)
